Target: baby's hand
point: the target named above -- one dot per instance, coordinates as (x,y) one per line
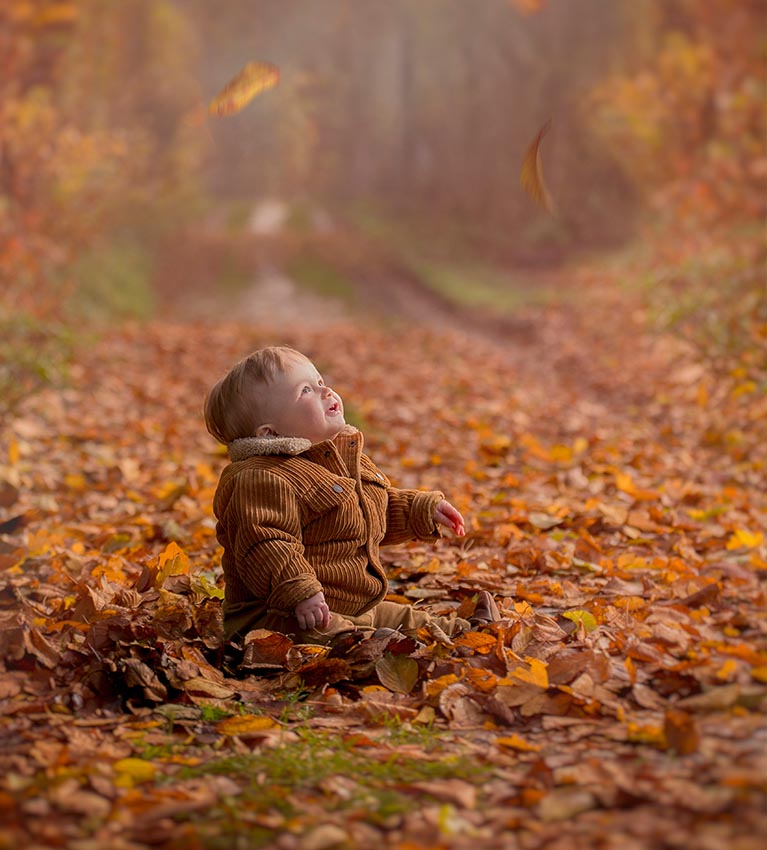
(313,612)
(445,514)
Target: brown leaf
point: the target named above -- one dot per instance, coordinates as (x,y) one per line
(8,494)
(326,671)
(138,673)
(199,686)
(457,704)
(265,647)
(456,791)
(681,732)
(565,803)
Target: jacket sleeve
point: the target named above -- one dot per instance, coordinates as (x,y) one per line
(265,516)
(410,515)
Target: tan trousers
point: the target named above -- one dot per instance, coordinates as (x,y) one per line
(389,615)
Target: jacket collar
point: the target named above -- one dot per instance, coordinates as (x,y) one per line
(247,447)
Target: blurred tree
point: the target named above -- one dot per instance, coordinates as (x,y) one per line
(93,141)
(421,106)
(687,116)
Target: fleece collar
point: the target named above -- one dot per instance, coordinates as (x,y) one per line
(257,446)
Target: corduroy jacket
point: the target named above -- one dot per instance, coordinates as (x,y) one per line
(295,518)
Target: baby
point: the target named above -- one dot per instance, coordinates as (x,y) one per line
(302,511)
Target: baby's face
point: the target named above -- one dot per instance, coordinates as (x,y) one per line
(300,405)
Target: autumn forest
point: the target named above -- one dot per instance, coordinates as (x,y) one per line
(526,242)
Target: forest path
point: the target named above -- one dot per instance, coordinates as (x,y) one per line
(611,487)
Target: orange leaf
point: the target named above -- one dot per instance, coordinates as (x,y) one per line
(515,742)
(532,172)
(480,642)
(536,675)
(245,724)
(483,680)
(254,78)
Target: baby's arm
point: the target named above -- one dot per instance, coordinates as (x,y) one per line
(445,514)
(415,514)
(269,548)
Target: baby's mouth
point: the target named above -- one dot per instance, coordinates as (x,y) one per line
(334,408)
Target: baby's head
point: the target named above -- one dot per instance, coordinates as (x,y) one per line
(274,392)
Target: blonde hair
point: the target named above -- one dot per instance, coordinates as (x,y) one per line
(234,407)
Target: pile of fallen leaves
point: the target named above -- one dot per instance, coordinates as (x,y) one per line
(614,492)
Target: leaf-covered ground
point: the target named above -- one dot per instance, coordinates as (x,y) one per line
(614,489)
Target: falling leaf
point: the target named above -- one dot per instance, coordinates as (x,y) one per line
(532,172)
(253,79)
(398,673)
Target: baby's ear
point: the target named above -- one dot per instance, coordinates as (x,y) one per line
(266,431)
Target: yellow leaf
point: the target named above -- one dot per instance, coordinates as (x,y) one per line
(136,770)
(398,673)
(532,172)
(584,617)
(536,675)
(254,78)
(726,671)
(14,452)
(436,686)
(515,742)
(741,537)
(244,724)
(172,562)
(759,673)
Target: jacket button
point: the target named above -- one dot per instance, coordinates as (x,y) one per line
(338,488)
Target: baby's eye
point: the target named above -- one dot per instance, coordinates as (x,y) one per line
(306,389)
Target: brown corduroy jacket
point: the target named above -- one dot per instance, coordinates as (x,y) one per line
(296,518)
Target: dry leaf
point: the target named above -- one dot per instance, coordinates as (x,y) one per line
(398,673)
(245,724)
(515,742)
(681,732)
(253,79)
(532,172)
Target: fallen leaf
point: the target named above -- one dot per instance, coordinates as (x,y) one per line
(515,742)
(245,724)
(681,732)
(398,673)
